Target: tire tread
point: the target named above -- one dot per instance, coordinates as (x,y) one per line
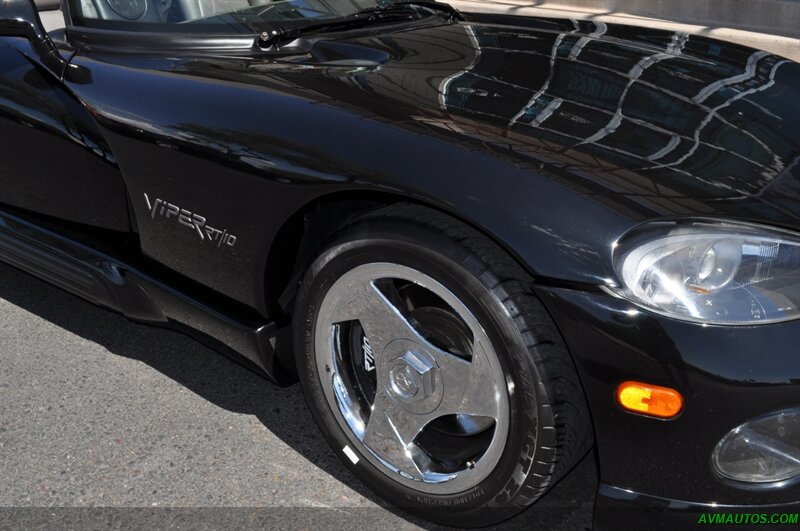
(510,284)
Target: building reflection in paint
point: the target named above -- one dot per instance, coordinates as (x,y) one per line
(654,121)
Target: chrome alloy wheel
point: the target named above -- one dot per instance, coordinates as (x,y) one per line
(412,378)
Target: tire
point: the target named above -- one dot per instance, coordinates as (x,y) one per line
(529,409)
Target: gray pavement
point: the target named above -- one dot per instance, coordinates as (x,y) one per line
(99,412)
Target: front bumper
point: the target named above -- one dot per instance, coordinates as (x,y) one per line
(727,375)
(621,510)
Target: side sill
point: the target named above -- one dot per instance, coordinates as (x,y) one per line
(106,281)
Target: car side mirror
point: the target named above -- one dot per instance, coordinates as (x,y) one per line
(20,18)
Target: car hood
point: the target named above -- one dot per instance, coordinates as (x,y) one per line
(641,118)
(642,122)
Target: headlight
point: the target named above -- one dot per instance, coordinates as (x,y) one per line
(716,273)
(766,450)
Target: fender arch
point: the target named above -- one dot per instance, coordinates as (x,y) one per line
(300,237)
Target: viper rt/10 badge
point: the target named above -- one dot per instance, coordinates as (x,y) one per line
(369,359)
(194,221)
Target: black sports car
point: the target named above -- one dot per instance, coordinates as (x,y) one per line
(483,244)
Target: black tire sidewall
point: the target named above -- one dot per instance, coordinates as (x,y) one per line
(492,500)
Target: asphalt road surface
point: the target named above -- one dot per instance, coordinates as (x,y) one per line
(107,424)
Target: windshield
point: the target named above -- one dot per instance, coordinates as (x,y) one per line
(211,16)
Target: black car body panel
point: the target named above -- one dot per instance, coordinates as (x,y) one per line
(713,366)
(276,134)
(41,116)
(137,290)
(554,138)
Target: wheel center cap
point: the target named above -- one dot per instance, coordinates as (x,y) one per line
(403,381)
(414,380)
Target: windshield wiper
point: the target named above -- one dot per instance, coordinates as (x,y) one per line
(364,17)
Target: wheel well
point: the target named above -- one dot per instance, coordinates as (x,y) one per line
(300,238)
(302,234)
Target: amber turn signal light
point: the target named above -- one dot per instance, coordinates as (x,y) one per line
(650,400)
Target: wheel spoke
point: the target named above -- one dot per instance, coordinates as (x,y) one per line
(381,320)
(390,434)
(469,387)
(419,375)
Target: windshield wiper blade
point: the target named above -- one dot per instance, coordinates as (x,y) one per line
(360,18)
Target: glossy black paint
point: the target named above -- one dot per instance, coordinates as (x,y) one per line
(54,160)
(432,106)
(727,375)
(96,274)
(21,19)
(624,510)
(554,138)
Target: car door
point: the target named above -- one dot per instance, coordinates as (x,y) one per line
(53,160)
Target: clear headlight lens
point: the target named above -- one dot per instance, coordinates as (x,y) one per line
(762,451)
(712,273)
